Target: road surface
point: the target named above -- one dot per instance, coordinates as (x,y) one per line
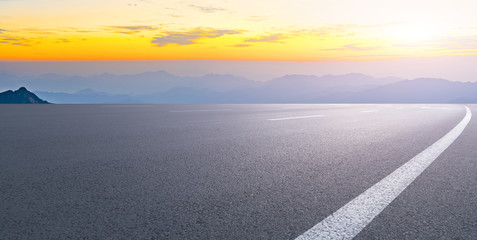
(229,171)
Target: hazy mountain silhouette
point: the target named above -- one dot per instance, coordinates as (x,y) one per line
(87,96)
(286,89)
(306,88)
(20,96)
(143,83)
(163,87)
(421,90)
(309,89)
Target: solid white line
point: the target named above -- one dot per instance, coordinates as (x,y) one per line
(368,111)
(295,107)
(291,118)
(442,108)
(353,217)
(128,105)
(201,110)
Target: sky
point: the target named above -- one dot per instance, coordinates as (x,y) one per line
(317,31)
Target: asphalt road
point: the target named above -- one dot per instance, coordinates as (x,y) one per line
(228,171)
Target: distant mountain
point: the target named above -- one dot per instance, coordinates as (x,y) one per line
(328,83)
(20,96)
(309,89)
(87,96)
(287,89)
(306,88)
(143,83)
(163,87)
(421,90)
(161,81)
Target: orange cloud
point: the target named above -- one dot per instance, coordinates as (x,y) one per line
(241,45)
(131,29)
(16,41)
(269,39)
(206,9)
(355,47)
(190,37)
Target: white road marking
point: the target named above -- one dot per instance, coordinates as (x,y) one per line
(442,108)
(127,105)
(353,217)
(291,118)
(201,110)
(295,107)
(368,111)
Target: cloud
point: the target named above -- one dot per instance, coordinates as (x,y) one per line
(46,31)
(62,40)
(2,30)
(41,31)
(131,29)
(352,47)
(270,39)
(377,56)
(468,51)
(241,45)
(206,9)
(348,30)
(135,4)
(355,47)
(190,37)
(175,15)
(449,43)
(16,41)
(257,18)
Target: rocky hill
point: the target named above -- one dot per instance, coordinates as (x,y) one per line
(20,96)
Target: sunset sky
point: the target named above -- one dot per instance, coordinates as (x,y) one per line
(278,30)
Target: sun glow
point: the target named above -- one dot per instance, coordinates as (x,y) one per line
(311,30)
(415,32)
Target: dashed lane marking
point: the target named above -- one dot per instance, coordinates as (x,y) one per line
(201,110)
(292,118)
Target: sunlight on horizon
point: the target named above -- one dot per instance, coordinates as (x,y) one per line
(215,30)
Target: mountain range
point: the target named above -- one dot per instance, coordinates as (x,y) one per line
(163,87)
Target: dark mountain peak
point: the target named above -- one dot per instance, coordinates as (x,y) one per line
(22,90)
(20,96)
